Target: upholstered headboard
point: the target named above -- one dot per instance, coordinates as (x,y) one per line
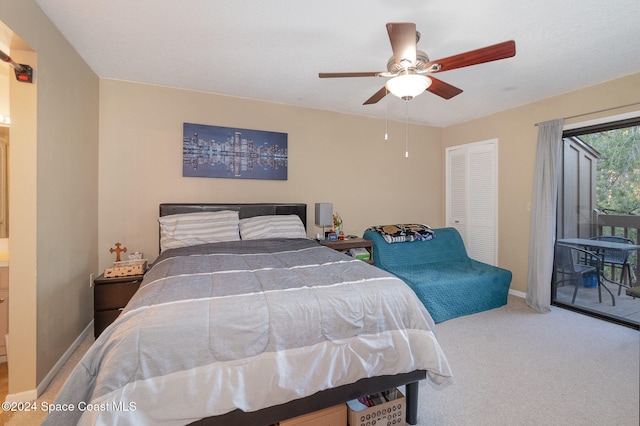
(245,210)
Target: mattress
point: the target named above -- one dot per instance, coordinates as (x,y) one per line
(247,325)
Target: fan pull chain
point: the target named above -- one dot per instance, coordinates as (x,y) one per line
(386,117)
(406,130)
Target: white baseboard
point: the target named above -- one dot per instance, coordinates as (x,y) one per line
(518,293)
(32,395)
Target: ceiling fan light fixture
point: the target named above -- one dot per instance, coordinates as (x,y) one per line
(408,86)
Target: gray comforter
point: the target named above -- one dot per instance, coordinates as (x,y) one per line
(247,325)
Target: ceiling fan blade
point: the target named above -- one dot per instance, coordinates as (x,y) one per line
(495,52)
(442,89)
(403,42)
(348,74)
(377,96)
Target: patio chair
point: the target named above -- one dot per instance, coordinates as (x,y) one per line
(617,259)
(573,264)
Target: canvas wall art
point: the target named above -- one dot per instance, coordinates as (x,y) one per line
(229,152)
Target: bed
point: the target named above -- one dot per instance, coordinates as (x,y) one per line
(251,331)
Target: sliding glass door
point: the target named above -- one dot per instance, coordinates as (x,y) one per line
(599,199)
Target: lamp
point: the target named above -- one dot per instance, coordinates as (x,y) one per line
(407,86)
(324,215)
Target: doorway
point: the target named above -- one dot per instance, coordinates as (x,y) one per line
(599,198)
(5,121)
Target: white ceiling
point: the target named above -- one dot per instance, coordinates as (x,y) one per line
(273,50)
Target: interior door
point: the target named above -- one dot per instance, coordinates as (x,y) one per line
(457,190)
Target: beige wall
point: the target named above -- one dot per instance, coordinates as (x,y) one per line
(54,202)
(333,158)
(517,134)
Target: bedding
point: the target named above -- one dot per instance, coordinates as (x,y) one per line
(247,325)
(402,233)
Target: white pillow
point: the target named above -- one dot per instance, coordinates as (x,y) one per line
(190,229)
(272,226)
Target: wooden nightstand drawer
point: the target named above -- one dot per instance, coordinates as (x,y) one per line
(103,319)
(113,296)
(110,296)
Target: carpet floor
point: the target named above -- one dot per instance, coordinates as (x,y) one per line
(514,366)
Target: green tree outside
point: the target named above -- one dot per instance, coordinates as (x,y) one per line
(618,177)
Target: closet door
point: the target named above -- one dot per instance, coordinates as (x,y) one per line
(472,197)
(457,191)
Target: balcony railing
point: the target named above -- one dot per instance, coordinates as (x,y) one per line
(622,226)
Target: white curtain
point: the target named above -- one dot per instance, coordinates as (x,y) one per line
(543,215)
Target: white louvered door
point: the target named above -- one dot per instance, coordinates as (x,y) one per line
(457,190)
(472,197)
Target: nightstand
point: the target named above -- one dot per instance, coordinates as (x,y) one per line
(110,296)
(345,245)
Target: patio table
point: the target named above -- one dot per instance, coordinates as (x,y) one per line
(597,245)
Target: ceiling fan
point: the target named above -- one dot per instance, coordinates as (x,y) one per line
(409,67)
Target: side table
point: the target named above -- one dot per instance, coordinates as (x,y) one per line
(347,244)
(110,296)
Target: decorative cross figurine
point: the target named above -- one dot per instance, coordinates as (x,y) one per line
(117,250)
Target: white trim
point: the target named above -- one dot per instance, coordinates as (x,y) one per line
(602,120)
(32,395)
(517,293)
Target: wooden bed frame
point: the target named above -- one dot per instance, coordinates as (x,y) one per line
(319,400)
